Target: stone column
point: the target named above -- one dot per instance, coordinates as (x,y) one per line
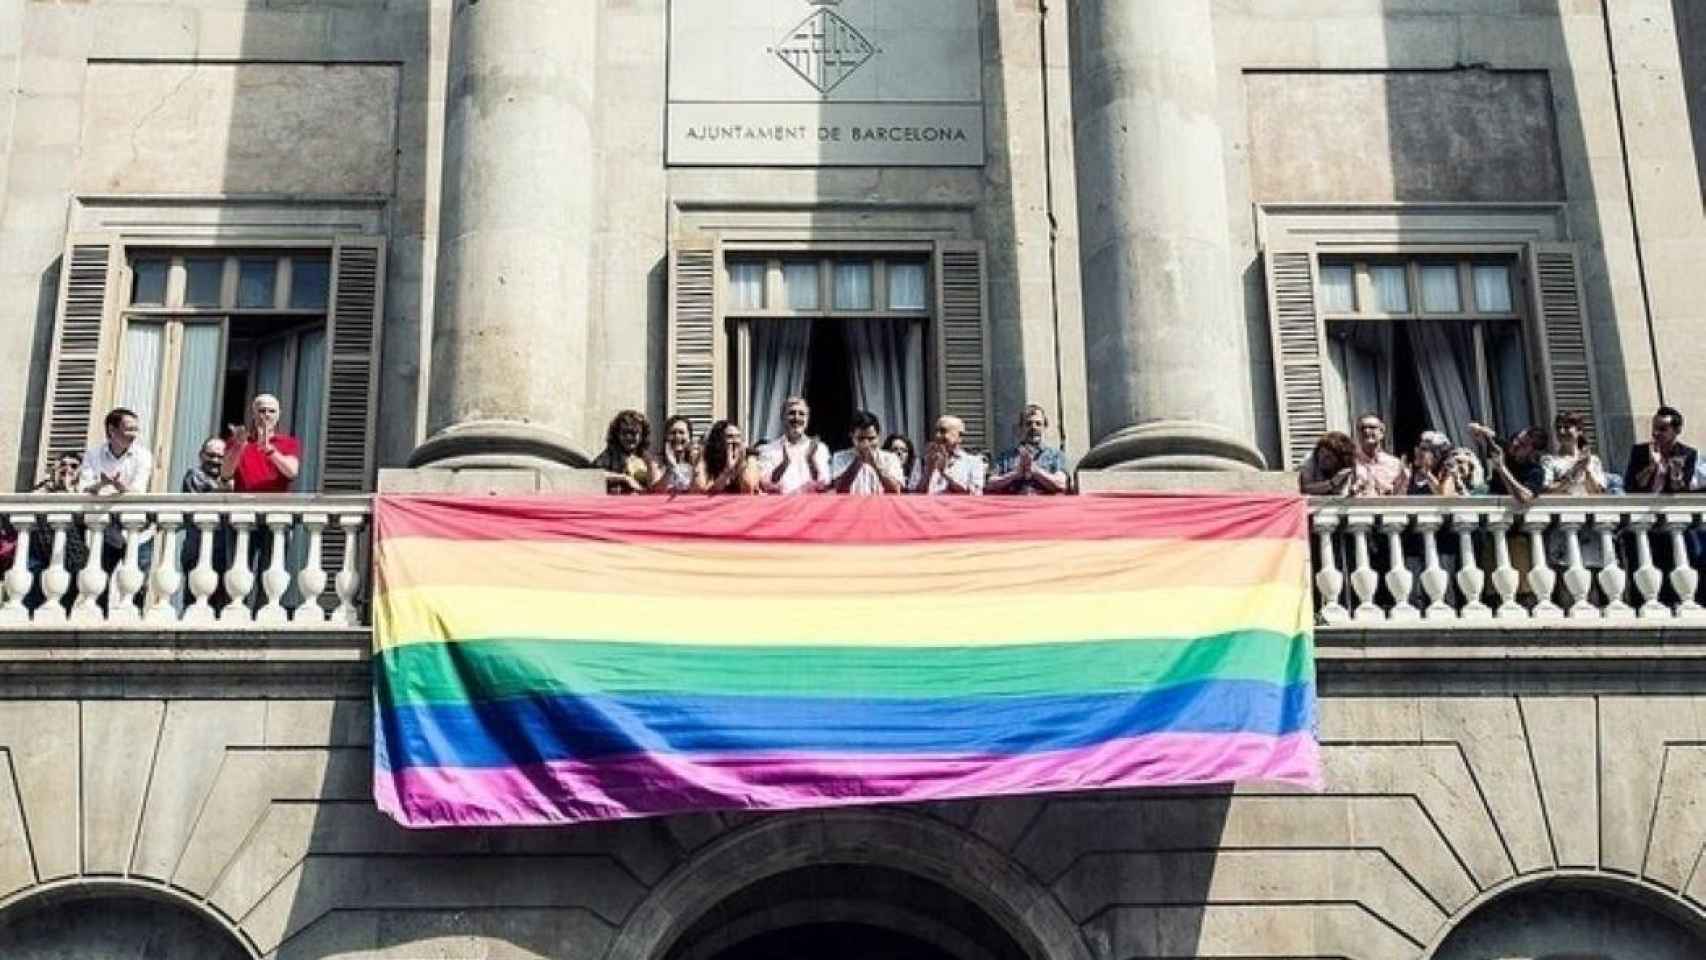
(509,337)
(1164,332)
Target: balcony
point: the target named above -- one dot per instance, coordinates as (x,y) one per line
(177,560)
(1381,567)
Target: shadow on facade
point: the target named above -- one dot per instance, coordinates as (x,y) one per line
(1691,37)
(332,878)
(47,301)
(1484,134)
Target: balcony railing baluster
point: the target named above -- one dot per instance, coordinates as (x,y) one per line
(1586,560)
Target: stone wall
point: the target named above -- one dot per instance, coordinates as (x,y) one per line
(1451,778)
(215,100)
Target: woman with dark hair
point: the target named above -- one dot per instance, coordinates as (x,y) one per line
(901,447)
(676,457)
(724,466)
(627,464)
(1330,468)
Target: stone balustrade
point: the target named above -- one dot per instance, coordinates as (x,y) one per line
(1487,560)
(1394,561)
(184,562)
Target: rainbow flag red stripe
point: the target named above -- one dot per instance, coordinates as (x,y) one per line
(557,660)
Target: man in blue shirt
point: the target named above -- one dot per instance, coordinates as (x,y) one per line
(1030,468)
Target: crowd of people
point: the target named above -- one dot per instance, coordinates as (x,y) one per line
(725,461)
(1529,463)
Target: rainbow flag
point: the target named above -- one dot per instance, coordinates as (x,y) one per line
(557,660)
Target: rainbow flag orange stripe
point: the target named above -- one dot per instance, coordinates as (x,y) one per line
(557,660)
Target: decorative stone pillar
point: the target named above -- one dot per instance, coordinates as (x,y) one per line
(1164,333)
(509,338)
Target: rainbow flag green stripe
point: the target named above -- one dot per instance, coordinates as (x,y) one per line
(509,668)
(544,661)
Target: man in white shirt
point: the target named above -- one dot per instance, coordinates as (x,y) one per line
(794,462)
(866,469)
(945,466)
(120,465)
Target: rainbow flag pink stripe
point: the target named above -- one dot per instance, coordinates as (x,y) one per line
(544,661)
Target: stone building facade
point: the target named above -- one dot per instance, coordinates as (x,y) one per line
(456,235)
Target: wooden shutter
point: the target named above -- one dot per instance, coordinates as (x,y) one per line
(1565,353)
(352,380)
(962,343)
(693,340)
(1299,359)
(75,376)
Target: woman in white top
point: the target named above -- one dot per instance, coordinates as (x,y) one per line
(1574,471)
(676,461)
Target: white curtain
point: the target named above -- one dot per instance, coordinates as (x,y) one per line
(1360,363)
(888,373)
(307,405)
(746,284)
(906,286)
(853,286)
(799,279)
(780,351)
(199,377)
(269,376)
(1439,289)
(1391,288)
(1338,288)
(1505,357)
(139,387)
(1492,288)
(1445,365)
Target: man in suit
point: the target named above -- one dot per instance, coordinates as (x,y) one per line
(1664,465)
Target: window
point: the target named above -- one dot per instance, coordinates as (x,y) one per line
(847,331)
(1429,343)
(204,332)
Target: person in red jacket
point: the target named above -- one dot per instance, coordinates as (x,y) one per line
(259,459)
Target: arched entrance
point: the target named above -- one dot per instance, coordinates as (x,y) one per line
(114,921)
(850,885)
(1586,916)
(845,912)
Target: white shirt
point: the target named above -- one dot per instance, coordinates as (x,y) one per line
(798,477)
(866,480)
(965,469)
(134,468)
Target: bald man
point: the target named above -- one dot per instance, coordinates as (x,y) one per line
(945,466)
(259,459)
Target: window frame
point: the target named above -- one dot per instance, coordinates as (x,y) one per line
(1465,261)
(173,313)
(1558,331)
(737,321)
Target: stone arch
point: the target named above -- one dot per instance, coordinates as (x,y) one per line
(115,918)
(883,841)
(1566,912)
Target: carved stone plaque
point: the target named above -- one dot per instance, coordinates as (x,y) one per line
(825,83)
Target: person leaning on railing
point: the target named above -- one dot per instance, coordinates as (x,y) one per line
(865,468)
(1329,468)
(1032,467)
(62,479)
(723,466)
(1665,464)
(626,459)
(676,457)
